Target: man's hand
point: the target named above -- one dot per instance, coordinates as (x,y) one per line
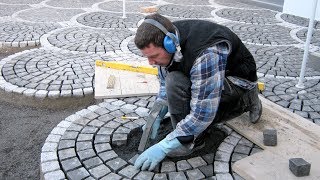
(155,154)
(156,124)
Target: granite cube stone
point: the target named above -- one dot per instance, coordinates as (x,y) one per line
(161,176)
(177,176)
(183,165)
(195,174)
(168,166)
(116,164)
(207,170)
(129,171)
(270,137)
(144,175)
(299,167)
(196,162)
(112,176)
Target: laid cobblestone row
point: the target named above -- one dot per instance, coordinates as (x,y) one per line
(131,6)
(315,40)
(45,14)
(304,102)
(48,73)
(183,11)
(9,9)
(88,39)
(260,16)
(189,2)
(262,34)
(282,61)
(21,1)
(71,3)
(22,34)
(300,21)
(109,20)
(81,146)
(235,4)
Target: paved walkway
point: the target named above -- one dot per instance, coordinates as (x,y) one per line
(73,35)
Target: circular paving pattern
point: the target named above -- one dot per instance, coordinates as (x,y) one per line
(109,20)
(43,73)
(300,21)
(315,40)
(45,14)
(186,11)
(72,3)
(23,34)
(262,34)
(81,146)
(282,61)
(235,3)
(249,16)
(88,39)
(8,10)
(304,102)
(21,1)
(188,2)
(131,6)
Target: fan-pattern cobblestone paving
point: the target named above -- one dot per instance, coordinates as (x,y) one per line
(71,36)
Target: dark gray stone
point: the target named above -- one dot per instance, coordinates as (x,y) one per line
(86,154)
(270,137)
(67,153)
(242,149)
(209,158)
(119,139)
(99,171)
(106,156)
(133,159)
(70,164)
(102,147)
(101,139)
(112,176)
(207,170)
(116,164)
(195,174)
(129,171)
(168,166)
(299,167)
(161,176)
(144,175)
(238,156)
(64,144)
(80,173)
(92,162)
(177,176)
(183,165)
(83,145)
(196,162)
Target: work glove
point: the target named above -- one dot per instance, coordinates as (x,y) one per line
(156,125)
(151,157)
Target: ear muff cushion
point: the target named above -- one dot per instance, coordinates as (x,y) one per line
(169,44)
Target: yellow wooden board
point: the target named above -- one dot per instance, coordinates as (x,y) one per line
(297,138)
(127,83)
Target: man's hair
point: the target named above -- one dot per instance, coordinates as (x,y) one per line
(148,33)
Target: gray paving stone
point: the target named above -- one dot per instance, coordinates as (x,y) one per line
(196,162)
(101,111)
(209,158)
(231,140)
(183,165)
(226,147)
(168,166)
(221,167)
(207,170)
(80,173)
(238,156)
(145,175)
(161,176)
(86,154)
(70,135)
(116,164)
(119,139)
(270,137)
(222,156)
(122,130)
(85,137)
(92,162)
(70,164)
(50,166)
(133,159)
(242,149)
(89,130)
(108,155)
(112,176)
(75,127)
(105,131)
(224,176)
(55,175)
(299,167)
(99,171)
(195,174)
(131,125)
(101,139)
(65,144)
(246,142)
(177,176)
(67,153)
(102,147)
(48,156)
(112,124)
(129,171)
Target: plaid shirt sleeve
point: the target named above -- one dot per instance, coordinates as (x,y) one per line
(207,75)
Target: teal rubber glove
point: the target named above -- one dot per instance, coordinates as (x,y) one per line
(156,124)
(151,157)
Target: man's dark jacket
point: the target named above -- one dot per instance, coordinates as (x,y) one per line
(197,35)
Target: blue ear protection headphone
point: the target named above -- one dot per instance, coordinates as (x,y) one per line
(171,41)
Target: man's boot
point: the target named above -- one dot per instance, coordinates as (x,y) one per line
(255,106)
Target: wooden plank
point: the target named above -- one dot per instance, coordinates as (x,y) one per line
(126,84)
(297,137)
